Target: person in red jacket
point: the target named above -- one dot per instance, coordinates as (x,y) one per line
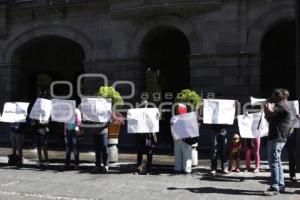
(233,153)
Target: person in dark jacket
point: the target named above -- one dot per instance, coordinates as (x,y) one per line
(278,115)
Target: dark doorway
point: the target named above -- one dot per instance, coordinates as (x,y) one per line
(53,58)
(278,59)
(166,50)
(39,62)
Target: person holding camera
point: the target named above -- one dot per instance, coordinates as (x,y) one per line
(278,115)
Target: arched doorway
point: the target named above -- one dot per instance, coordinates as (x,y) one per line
(165,50)
(44,58)
(41,61)
(278,58)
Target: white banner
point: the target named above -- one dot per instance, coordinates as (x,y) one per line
(294,109)
(41,110)
(143,120)
(253,125)
(255,101)
(184,126)
(96,109)
(217,111)
(63,110)
(14,112)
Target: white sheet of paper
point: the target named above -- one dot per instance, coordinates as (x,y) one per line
(96,109)
(63,110)
(257,101)
(41,110)
(248,125)
(143,120)
(184,126)
(294,109)
(218,111)
(14,112)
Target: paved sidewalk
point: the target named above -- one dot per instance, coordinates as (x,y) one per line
(53,182)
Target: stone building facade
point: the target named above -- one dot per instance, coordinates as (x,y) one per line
(225,46)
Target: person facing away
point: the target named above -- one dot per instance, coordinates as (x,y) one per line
(71,130)
(278,115)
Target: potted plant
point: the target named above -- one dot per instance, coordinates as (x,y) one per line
(117,118)
(189,97)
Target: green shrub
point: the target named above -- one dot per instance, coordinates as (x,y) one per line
(189,97)
(110,92)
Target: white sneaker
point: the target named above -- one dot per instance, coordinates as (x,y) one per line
(105,169)
(213,172)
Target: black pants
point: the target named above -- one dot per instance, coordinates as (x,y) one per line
(219,143)
(101,149)
(141,149)
(291,150)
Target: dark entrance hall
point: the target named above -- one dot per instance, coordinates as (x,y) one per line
(278,59)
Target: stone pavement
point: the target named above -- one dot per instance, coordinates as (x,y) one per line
(53,182)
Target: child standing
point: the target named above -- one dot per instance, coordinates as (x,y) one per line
(233,153)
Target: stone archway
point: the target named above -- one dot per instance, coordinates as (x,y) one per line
(278,56)
(166,51)
(57,57)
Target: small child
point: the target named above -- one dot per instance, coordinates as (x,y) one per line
(233,153)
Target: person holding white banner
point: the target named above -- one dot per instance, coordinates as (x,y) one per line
(145,143)
(252,145)
(182,150)
(17,140)
(41,131)
(219,146)
(71,130)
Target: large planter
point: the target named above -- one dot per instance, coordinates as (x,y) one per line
(113,131)
(113,136)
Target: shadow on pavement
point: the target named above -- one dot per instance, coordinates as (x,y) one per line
(207,190)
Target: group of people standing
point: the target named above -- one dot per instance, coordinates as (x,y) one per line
(277,114)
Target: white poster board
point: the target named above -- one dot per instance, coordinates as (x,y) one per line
(143,120)
(184,126)
(218,111)
(96,109)
(14,112)
(63,110)
(253,125)
(41,110)
(294,109)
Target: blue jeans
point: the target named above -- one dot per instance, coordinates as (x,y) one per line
(274,159)
(71,142)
